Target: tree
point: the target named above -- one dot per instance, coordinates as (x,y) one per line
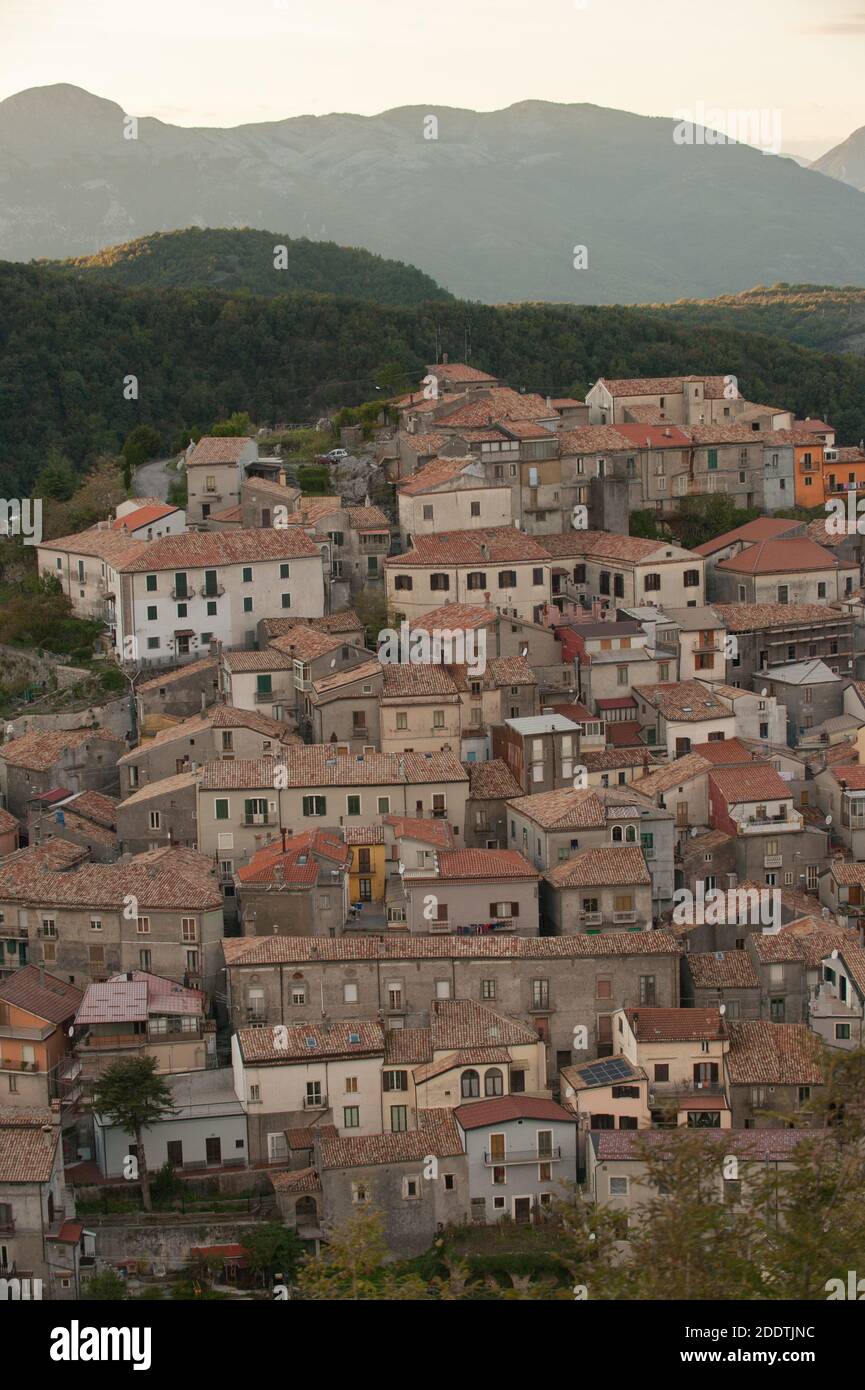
(141,444)
(354,1265)
(56,479)
(132,1096)
(272,1249)
(237,424)
(106,1285)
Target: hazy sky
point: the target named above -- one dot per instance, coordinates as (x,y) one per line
(225,62)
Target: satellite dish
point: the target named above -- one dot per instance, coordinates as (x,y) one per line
(693,831)
(722,1008)
(828,820)
(764,691)
(835,953)
(71,1030)
(332,662)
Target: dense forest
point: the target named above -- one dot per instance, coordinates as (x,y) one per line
(816,316)
(69,347)
(260,262)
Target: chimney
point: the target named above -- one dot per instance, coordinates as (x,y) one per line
(42,976)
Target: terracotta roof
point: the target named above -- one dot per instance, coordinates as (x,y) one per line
(55,853)
(103,543)
(462,1023)
(213,448)
(423,444)
(625,733)
(683,700)
(230,514)
(751,617)
(762,528)
(193,668)
(754,782)
(484,864)
(498,403)
(792,555)
(847,873)
(437,1134)
(850,776)
(305,643)
(417,681)
(409,1046)
(438,473)
(166,786)
(317,765)
(297,1180)
(105,885)
(677,1025)
(50,998)
(722,970)
(304,1138)
(501,545)
(724,752)
(96,806)
(430,832)
(611,758)
(216,717)
(773,1054)
(26,1152)
(296,866)
(284,950)
(304,1042)
(503,1109)
(244,661)
(713,386)
(756,1145)
(197,549)
(491,781)
(593,439)
(8,821)
(39,751)
(562,810)
(143,516)
(456,617)
(460,371)
(610,866)
(604,545)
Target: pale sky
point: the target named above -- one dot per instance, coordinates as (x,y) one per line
(228,62)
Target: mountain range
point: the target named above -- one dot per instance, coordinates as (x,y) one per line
(492,207)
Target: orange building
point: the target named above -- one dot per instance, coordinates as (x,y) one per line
(36,1013)
(808,474)
(843,472)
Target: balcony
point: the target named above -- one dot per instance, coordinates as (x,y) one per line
(315,1102)
(15,1064)
(264,697)
(620,918)
(13,933)
(214,591)
(773,861)
(591,919)
(759,825)
(182,595)
(259,820)
(553,1155)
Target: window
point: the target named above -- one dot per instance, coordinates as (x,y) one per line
(351,1085)
(410,1189)
(440,582)
(359,1193)
(394,1080)
(618,1187)
(476,579)
(403,581)
(427,512)
(315,805)
(150,583)
(152,612)
(351,1117)
(142,925)
(188,929)
(221,810)
(537,576)
(394,995)
(475,508)
(692,579)
(662,1071)
(254,1097)
(352,805)
(493,1082)
(541,994)
(398,1119)
(286,600)
(95,924)
(652,583)
(507,579)
(349,992)
(783,593)
(488,989)
(470,1085)
(298,995)
(155,820)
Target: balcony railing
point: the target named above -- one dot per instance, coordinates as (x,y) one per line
(591,919)
(624,916)
(552,1155)
(315,1102)
(215,592)
(13,933)
(259,819)
(773,861)
(756,825)
(182,595)
(264,697)
(16,1064)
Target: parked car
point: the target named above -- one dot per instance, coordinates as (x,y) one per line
(334,456)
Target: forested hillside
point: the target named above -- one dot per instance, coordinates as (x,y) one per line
(818,316)
(68,347)
(262,262)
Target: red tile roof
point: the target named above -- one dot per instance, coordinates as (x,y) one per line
(762,528)
(788,556)
(505,1108)
(756,782)
(611,866)
(46,996)
(774,1054)
(197,549)
(255,952)
(676,1025)
(484,864)
(143,516)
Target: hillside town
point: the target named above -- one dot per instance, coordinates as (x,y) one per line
(452,915)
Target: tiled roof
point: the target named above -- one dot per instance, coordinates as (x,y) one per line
(216,717)
(456,617)
(752,617)
(193,668)
(611,758)
(624,733)
(510,670)
(850,776)
(491,781)
(297,1180)
(437,474)
(438,1135)
(654,434)
(791,555)
(230,514)
(212,448)
(296,865)
(724,752)
(106,886)
(55,853)
(674,774)
(503,1109)
(429,832)
(8,821)
(677,1025)
(39,751)
(26,1151)
(50,998)
(103,543)
(484,864)
(754,782)
(757,1145)
(687,700)
(424,444)
(762,528)
(304,643)
(562,810)
(461,1023)
(367,519)
(593,439)
(846,873)
(501,545)
(605,545)
(143,516)
(284,950)
(96,806)
(773,1054)
(722,970)
(364,671)
(304,1138)
(305,1042)
(713,386)
(407,1046)
(317,765)
(166,786)
(611,866)
(243,661)
(197,549)
(405,682)
(460,371)
(498,403)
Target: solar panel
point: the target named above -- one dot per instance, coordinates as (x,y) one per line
(610,1069)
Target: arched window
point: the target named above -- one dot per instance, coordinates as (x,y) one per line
(470,1085)
(493,1082)
(616,835)
(631,835)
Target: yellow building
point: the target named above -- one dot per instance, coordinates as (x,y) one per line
(368,872)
